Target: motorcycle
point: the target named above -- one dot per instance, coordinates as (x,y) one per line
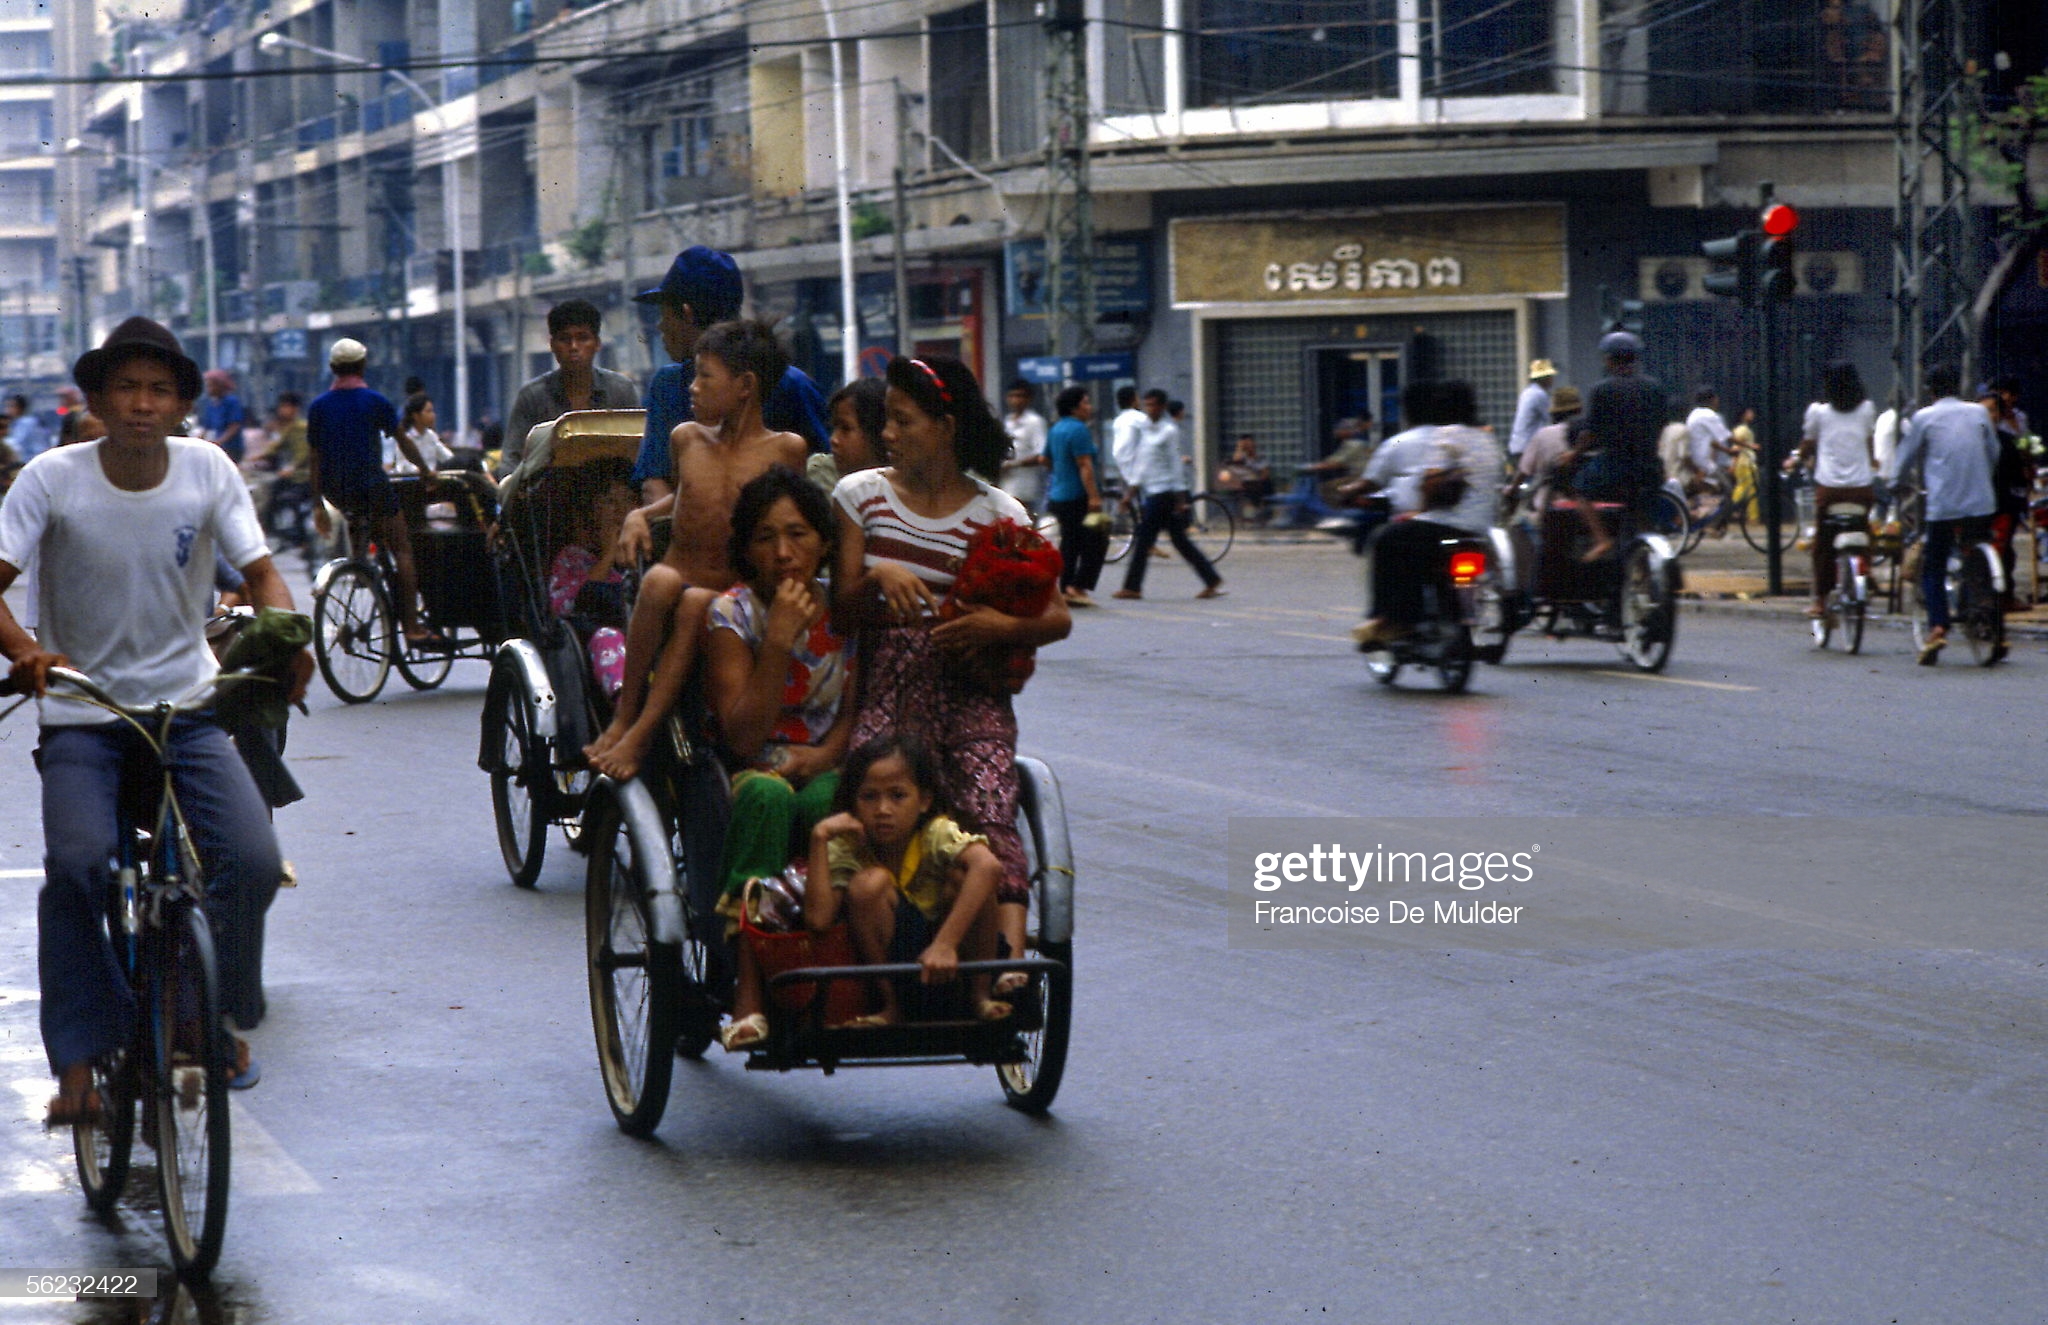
(1451,636)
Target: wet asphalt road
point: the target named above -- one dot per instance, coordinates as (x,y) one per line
(1396,1132)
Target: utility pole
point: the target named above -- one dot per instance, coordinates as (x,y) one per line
(902,226)
(1069,220)
(1933,240)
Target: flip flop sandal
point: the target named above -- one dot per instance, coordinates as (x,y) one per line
(746,1033)
(1930,652)
(873,1021)
(994,1009)
(1009,983)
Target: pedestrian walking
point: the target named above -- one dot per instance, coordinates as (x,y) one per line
(1160,485)
(1074,496)
(1532,409)
(1024,472)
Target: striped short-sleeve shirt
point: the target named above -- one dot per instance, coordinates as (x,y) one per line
(928,548)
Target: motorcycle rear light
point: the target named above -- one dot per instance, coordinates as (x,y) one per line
(1467,567)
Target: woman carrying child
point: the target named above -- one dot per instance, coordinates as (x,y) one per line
(917,888)
(903,530)
(777,679)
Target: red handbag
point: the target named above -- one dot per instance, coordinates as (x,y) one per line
(1011,568)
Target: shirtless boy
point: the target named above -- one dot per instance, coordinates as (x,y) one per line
(716,455)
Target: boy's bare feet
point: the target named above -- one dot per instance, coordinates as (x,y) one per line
(620,761)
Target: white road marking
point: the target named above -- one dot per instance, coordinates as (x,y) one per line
(1236,795)
(262,1167)
(35,873)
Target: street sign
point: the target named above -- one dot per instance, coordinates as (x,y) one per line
(1123,275)
(289,343)
(1051,368)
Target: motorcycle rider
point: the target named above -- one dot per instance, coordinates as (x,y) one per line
(1449,489)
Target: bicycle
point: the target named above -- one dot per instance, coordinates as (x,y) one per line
(1848,604)
(1976,587)
(180,1055)
(1733,497)
(1211,524)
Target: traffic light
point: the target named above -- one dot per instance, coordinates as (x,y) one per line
(1775,278)
(1735,271)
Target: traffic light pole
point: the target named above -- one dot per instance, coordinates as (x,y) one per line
(1770,469)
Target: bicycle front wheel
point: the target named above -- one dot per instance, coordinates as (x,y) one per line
(102,1145)
(189,1093)
(352,634)
(1212,526)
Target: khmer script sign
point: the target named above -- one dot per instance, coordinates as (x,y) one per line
(1477,251)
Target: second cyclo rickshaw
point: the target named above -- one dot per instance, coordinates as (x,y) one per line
(356,639)
(543,704)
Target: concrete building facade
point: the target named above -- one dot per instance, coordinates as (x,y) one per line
(1299,205)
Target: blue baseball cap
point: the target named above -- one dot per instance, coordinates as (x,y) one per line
(705,279)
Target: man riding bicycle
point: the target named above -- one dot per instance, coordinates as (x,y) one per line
(1953,442)
(123,532)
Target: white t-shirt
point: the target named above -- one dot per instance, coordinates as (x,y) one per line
(125,579)
(1026,482)
(1841,444)
(1703,428)
(1884,440)
(431,450)
(927,548)
(1123,439)
(1399,464)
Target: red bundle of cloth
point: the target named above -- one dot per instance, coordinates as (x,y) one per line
(1011,568)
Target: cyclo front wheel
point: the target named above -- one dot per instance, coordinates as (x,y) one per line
(520,781)
(635,981)
(352,634)
(189,1093)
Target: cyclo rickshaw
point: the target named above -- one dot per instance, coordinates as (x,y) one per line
(660,965)
(1629,597)
(543,705)
(356,639)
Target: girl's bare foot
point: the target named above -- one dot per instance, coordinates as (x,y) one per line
(620,761)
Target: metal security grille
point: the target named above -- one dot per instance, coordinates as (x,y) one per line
(1262,375)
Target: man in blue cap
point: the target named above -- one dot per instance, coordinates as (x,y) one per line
(703,287)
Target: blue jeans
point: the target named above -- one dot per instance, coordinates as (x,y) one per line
(88,1007)
(1942,538)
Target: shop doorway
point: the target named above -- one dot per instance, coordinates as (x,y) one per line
(1350,381)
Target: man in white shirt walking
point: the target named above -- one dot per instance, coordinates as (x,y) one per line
(1024,472)
(1532,410)
(1158,482)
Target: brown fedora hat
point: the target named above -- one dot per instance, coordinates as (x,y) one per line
(138,335)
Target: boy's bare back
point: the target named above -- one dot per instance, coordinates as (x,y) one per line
(710,471)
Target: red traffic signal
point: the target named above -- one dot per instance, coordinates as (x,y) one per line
(1779,220)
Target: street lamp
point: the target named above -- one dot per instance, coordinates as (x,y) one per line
(79,147)
(274,43)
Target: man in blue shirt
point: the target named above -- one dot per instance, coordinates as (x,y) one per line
(345,430)
(703,286)
(221,415)
(1074,498)
(1954,442)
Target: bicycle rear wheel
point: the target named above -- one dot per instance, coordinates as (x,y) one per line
(190,1093)
(1977,610)
(1212,526)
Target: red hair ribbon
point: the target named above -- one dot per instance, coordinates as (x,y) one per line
(932,373)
